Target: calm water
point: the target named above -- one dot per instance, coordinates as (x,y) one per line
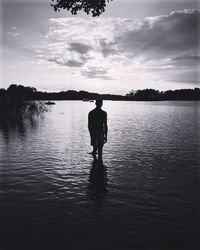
(145,196)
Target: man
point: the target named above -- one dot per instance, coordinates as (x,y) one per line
(97,125)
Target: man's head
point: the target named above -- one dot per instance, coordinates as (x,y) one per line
(99,103)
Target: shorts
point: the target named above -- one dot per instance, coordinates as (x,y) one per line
(97,139)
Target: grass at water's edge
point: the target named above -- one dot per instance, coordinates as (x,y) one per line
(19,114)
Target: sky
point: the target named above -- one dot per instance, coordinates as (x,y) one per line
(135,44)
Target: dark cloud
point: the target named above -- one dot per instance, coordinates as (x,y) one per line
(186,61)
(98,73)
(162,35)
(73,63)
(108,48)
(66,57)
(68,63)
(187,57)
(80,48)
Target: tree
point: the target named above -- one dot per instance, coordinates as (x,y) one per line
(19,92)
(94,7)
(144,95)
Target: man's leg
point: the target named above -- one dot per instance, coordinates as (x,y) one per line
(100,149)
(95,146)
(94,150)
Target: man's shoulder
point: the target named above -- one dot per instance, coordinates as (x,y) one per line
(92,111)
(104,112)
(95,111)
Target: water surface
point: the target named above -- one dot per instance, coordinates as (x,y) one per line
(144,197)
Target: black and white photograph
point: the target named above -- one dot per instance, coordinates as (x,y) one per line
(99,124)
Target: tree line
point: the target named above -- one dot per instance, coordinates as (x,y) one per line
(19,93)
(155,95)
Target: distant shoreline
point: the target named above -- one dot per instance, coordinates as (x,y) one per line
(125,100)
(21,93)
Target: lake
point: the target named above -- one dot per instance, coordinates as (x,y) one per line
(145,196)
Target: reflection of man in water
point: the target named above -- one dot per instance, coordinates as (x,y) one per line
(97,125)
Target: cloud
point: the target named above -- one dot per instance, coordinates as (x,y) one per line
(13,31)
(68,63)
(99,73)
(189,57)
(106,48)
(80,48)
(162,36)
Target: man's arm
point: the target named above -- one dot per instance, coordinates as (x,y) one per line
(105,128)
(89,122)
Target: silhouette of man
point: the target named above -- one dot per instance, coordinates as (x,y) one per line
(97,125)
